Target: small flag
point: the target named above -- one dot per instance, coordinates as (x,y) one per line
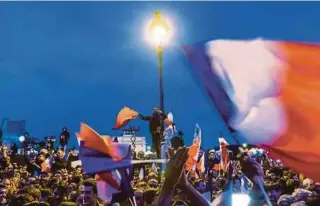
(194,150)
(169,119)
(102,144)
(197,132)
(224,159)
(154,168)
(108,160)
(141,174)
(124,116)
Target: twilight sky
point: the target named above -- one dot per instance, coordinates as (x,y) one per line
(66,62)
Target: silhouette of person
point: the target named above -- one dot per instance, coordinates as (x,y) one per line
(64,138)
(155,128)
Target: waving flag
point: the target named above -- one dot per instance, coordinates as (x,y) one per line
(224,159)
(101,156)
(124,116)
(154,168)
(169,120)
(201,162)
(194,150)
(269,91)
(141,174)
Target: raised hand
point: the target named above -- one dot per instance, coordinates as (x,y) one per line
(175,166)
(230,169)
(251,168)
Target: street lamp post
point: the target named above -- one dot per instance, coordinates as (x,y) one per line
(160,67)
(159,29)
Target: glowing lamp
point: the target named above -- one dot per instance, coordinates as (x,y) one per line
(158,30)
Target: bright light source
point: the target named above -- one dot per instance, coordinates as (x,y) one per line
(22,139)
(244,145)
(148,148)
(158,30)
(240,200)
(158,35)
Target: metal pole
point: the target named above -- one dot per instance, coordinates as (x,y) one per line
(160,67)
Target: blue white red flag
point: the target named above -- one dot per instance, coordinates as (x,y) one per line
(269,91)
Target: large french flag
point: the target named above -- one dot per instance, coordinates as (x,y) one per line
(270,92)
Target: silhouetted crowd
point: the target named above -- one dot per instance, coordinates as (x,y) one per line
(48,178)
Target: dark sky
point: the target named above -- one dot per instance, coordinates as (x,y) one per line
(66,62)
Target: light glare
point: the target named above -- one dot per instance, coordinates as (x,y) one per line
(240,200)
(160,35)
(21,139)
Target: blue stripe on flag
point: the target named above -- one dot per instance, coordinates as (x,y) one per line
(209,79)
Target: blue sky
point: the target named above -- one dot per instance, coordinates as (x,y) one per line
(66,62)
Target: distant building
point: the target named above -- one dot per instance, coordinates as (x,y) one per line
(127,137)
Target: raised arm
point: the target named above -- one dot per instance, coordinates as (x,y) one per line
(145,118)
(175,168)
(193,195)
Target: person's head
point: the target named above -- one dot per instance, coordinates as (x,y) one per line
(42,157)
(4,149)
(200,185)
(153,183)
(212,155)
(3,194)
(236,183)
(152,175)
(31,181)
(65,176)
(60,153)
(307,183)
(88,193)
(7,183)
(64,129)
(156,110)
(295,177)
(78,169)
(142,185)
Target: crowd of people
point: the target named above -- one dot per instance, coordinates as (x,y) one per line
(49,178)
